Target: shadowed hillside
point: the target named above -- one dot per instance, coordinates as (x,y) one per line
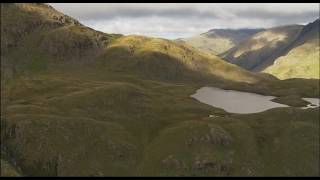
(35,34)
(261,49)
(79,102)
(217,41)
(285,52)
(167,60)
(301,59)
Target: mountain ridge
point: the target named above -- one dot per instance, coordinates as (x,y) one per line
(262,47)
(78,102)
(217,41)
(301,58)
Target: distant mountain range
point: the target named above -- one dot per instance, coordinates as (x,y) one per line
(295,49)
(80,102)
(260,50)
(301,58)
(40,32)
(217,41)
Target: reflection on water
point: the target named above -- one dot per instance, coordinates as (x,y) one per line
(239,102)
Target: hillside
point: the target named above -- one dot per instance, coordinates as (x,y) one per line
(217,41)
(301,60)
(34,33)
(63,41)
(166,60)
(27,19)
(7,170)
(261,49)
(79,102)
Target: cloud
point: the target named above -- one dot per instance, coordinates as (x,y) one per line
(182,20)
(298,15)
(110,11)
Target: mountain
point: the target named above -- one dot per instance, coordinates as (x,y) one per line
(217,41)
(260,50)
(301,59)
(57,39)
(38,31)
(79,102)
(285,52)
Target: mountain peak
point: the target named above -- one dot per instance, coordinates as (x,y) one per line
(44,11)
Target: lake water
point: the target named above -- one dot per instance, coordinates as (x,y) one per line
(240,102)
(315,102)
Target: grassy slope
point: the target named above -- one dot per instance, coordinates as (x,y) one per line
(259,144)
(145,127)
(112,117)
(117,117)
(217,41)
(39,35)
(152,57)
(259,51)
(210,45)
(7,170)
(302,60)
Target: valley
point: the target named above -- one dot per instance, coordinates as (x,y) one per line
(80,102)
(290,51)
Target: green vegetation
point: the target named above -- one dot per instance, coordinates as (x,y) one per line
(7,170)
(77,102)
(285,52)
(63,118)
(301,62)
(294,101)
(209,45)
(259,144)
(302,58)
(217,41)
(260,50)
(151,57)
(97,123)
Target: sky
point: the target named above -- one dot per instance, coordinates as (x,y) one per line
(180,20)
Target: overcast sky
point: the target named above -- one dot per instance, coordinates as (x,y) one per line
(183,20)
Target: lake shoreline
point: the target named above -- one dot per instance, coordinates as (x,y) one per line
(233,101)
